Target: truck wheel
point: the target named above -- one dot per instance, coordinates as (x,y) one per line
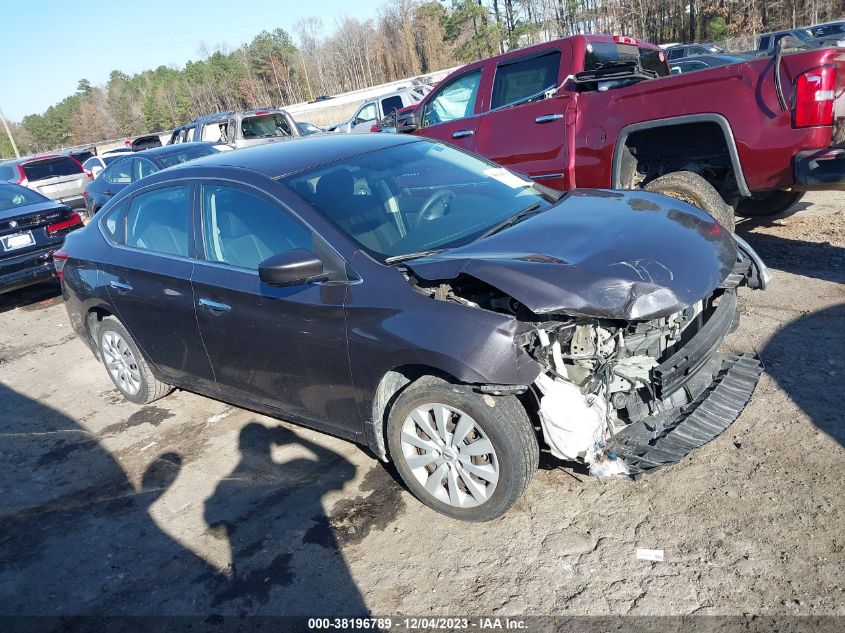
(465,454)
(768,203)
(693,189)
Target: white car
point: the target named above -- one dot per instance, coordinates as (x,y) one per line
(96,164)
(374,110)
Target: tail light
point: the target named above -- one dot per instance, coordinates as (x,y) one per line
(59,261)
(72,220)
(22,179)
(814,94)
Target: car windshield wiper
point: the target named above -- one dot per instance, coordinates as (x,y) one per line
(511,220)
(402,258)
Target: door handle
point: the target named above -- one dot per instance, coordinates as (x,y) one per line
(108,193)
(547,118)
(462,133)
(214,306)
(120,285)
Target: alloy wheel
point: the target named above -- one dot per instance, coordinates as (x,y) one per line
(121,363)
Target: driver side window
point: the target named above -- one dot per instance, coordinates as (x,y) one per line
(367,113)
(455,100)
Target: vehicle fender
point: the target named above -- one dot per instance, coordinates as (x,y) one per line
(620,155)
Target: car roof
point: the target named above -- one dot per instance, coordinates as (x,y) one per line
(280,159)
(166,150)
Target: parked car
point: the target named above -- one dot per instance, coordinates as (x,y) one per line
(96,164)
(306,129)
(82,155)
(410,296)
(828,30)
(127,169)
(141,143)
(679,51)
(600,111)
(767,42)
(239,129)
(380,107)
(56,176)
(702,62)
(32,226)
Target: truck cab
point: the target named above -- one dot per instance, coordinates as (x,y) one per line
(375,109)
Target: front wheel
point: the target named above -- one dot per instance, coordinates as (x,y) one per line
(467,455)
(768,203)
(695,190)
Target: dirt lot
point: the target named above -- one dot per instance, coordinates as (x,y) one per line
(191,506)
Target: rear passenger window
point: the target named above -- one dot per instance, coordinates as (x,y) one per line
(158,221)
(120,172)
(391,104)
(112,223)
(243,229)
(522,80)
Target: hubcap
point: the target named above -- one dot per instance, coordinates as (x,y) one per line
(450,455)
(121,363)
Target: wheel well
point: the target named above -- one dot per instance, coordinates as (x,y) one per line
(389,388)
(702,147)
(92,321)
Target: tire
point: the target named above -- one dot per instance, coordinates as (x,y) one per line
(499,476)
(693,189)
(125,364)
(768,203)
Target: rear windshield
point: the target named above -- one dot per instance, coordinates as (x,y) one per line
(13,196)
(599,53)
(265,126)
(51,168)
(189,154)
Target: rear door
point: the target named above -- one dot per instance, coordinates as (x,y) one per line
(57,177)
(524,130)
(283,347)
(449,114)
(148,278)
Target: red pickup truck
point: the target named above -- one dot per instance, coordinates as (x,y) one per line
(603,111)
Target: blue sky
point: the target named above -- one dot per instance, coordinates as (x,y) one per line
(49,45)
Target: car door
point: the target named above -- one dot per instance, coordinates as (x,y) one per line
(148,278)
(282,347)
(524,129)
(449,114)
(365,117)
(114,178)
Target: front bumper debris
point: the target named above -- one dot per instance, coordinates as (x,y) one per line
(651,443)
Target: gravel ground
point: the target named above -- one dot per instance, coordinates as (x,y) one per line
(190,506)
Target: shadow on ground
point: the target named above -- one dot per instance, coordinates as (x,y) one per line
(77,538)
(807,359)
(32,297)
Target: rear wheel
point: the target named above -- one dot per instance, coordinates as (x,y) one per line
(126,366)
(467,455)
(768,203)
(695,190)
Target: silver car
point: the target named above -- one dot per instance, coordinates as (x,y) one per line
(56,176)
(239,129)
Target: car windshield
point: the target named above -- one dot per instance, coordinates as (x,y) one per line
(265,126)
(13,196)
(188,154)
(416,197)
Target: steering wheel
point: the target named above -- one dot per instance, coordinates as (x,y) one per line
(435,206)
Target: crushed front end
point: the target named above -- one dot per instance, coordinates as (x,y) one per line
(626,397)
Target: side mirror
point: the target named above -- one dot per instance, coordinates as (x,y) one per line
(407,121)
(292,268)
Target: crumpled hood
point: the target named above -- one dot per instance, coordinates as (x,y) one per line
(609,254)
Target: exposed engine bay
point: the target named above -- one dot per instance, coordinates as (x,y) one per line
(608,388)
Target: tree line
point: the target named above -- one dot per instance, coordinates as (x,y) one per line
(404,38)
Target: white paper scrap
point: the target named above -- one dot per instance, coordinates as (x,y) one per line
(650,554)
(506,178)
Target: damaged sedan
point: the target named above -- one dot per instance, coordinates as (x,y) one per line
(445,312)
